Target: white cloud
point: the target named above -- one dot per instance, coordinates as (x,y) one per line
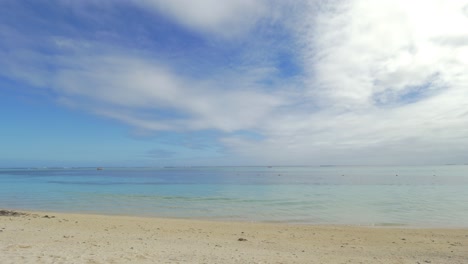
(371,48)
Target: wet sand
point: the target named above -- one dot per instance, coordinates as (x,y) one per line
(80,238)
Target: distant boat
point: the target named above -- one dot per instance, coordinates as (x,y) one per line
(98,168)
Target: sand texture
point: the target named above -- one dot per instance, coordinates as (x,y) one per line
(80,238)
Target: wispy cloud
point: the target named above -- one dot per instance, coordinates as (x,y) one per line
(221,18)
(150,96)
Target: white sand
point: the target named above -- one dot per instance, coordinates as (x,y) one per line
(80,238)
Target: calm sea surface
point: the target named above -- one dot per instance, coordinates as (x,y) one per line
(407,196)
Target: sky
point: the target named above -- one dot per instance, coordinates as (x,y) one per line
(233,82)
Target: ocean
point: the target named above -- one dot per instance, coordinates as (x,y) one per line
(413,196)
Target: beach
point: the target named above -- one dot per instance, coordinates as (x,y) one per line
(49,237)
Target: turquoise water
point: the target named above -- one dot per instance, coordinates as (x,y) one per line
(407,196)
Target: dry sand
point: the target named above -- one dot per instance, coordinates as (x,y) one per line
(81,238)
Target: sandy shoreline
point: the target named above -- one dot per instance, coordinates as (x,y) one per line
(80,238)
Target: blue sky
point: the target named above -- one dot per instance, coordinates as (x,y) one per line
(235,82)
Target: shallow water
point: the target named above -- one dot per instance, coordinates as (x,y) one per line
(407,196)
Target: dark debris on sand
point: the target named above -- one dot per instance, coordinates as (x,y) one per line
(47,216)
(10,213)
